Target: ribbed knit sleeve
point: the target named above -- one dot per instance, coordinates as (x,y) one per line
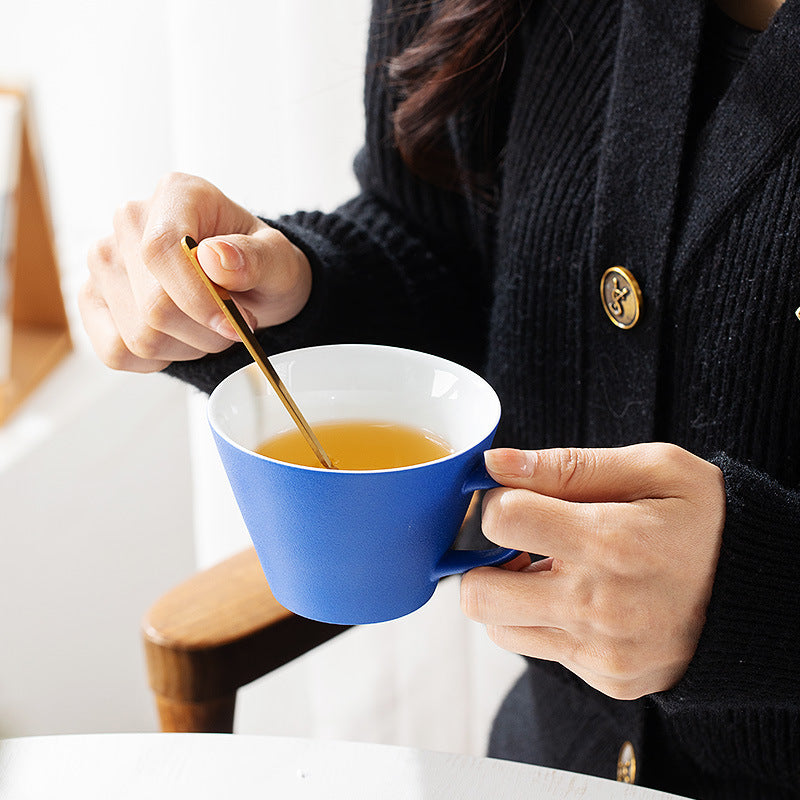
(596,172)
(403,263)
(747,659)
(375,281)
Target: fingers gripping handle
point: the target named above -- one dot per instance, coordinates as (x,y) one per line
(479,479)
(454,562)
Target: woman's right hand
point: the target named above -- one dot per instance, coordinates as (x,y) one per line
(144,306)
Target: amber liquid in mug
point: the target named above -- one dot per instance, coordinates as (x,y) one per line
(359,445)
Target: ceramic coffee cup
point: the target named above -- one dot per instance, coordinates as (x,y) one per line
(354,547)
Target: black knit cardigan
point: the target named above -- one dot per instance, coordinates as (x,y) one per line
(596,172)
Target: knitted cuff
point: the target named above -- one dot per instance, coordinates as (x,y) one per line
(749,650)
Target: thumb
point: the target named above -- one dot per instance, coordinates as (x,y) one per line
(239,261)
(269,276)
(582,474)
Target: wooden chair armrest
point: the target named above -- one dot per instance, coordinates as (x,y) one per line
(219,630)
(215,632)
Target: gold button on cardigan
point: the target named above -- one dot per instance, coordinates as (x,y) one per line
(621,296)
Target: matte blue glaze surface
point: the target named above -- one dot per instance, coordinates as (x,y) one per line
(357,547)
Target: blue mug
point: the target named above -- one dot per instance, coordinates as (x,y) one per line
(353,547)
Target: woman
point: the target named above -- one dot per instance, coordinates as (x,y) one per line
(651,417)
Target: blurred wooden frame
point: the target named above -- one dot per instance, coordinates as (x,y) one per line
(218,631)
(39,330)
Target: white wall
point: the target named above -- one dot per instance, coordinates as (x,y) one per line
(96,523)
(95,486)
(264,99)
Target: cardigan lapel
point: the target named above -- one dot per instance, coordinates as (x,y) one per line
(758,114)
(643,141)
(638,174)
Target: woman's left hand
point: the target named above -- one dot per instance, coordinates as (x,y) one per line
(632,537)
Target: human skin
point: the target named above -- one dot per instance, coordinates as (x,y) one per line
(755,14)
(142,304)
(631,534)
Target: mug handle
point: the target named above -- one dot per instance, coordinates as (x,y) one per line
(454,562)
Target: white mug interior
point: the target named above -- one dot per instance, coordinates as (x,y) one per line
(357,382)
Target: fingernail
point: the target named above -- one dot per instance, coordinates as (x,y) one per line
(249,318)
(221,325)
(228,255)
(508,461)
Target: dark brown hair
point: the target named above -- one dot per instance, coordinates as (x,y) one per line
(449,72)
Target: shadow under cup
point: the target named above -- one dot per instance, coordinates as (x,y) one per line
(354,547)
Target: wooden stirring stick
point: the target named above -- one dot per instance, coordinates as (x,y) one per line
(234,316)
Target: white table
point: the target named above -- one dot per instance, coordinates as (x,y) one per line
(151,766)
